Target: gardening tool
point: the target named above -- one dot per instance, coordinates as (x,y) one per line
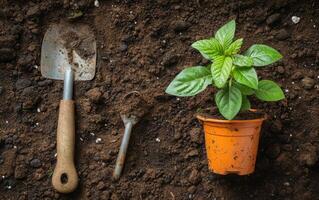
(68,53)
(129,121)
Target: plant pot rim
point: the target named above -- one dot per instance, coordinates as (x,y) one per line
(224,121)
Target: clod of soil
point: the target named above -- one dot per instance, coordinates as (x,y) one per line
(134,105)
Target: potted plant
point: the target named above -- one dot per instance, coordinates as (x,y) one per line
(231,143)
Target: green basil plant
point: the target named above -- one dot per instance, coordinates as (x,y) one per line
(232,73)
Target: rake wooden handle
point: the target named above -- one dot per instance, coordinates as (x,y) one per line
(65,178)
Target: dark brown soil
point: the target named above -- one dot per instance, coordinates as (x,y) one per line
(142,45)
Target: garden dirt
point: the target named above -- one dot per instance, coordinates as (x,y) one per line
(141,46)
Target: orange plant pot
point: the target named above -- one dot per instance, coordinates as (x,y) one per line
(231,145)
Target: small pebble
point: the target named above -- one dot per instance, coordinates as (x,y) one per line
(272,19)
(38,110)
(98,140)
(96,3)
(295,19)
(92,134)
(35,163)
(308,83)
(123,47)
(7,122)
(158,140)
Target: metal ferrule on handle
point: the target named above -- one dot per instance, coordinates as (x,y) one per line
(68,84)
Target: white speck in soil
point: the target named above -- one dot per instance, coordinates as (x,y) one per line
(9,187)
(295,19)
(178,99)
(14,147)
(131,12)
(290,135)
(37,124)
(56,154)
(299,97)
(38,110)
(297,150)
(286,90)
(96,3)
(286,184)
(314,25)
(92,134)
(3,177)
(135,22)
(7,122)
(98,140)
(158,140)
(81,139)
(292,82)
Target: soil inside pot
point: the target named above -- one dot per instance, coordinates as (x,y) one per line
(244,115)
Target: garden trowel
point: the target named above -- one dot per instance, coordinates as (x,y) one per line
(68,53)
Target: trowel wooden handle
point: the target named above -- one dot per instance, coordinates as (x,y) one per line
(65,178)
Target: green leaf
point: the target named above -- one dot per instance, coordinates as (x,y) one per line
(229,102)
(269,91)
(190,82)
(209,48)
(263,55)
(244,89)
(242,61)
(245,105)
(226,34)
(221,69)
(234,47)
(246,76)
